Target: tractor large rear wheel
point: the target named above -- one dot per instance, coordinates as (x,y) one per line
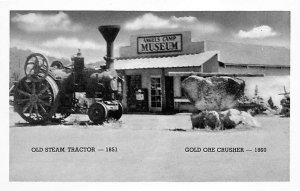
(36,101)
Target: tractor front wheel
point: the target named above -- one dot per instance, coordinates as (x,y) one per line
(97,113)
(117,114)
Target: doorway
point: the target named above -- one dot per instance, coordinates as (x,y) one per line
(156,93)
(134,82)
(169,93)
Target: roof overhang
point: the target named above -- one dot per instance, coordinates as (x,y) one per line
(191,60)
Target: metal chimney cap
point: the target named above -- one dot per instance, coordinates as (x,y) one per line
(109,26)
(109,32)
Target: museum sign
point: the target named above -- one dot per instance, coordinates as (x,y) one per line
(159,44)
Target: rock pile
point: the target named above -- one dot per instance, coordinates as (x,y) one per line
(215,97)
(228,119)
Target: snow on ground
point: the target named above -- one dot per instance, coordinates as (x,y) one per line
(148,151)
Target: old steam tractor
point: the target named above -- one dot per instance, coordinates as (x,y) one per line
(47,93)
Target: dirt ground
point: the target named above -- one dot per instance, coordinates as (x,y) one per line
(148,149)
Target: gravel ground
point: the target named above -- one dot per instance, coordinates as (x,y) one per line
(148,149)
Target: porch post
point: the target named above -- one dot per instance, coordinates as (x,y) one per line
(163,90)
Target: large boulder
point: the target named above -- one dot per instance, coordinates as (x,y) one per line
(213,93)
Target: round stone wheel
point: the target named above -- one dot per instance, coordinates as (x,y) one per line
(36,101)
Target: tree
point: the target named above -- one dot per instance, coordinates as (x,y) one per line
(256,91)
(270,102)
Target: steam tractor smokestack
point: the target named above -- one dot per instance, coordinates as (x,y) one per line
(109,32)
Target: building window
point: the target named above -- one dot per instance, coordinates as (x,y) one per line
(134,83)
(156,92)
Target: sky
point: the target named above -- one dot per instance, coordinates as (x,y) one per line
(62,33)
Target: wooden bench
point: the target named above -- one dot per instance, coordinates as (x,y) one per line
(178,101)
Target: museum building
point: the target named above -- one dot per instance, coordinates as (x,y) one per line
(148,62)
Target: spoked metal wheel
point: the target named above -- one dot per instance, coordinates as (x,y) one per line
(36,67)
(36,101)
(97,113)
